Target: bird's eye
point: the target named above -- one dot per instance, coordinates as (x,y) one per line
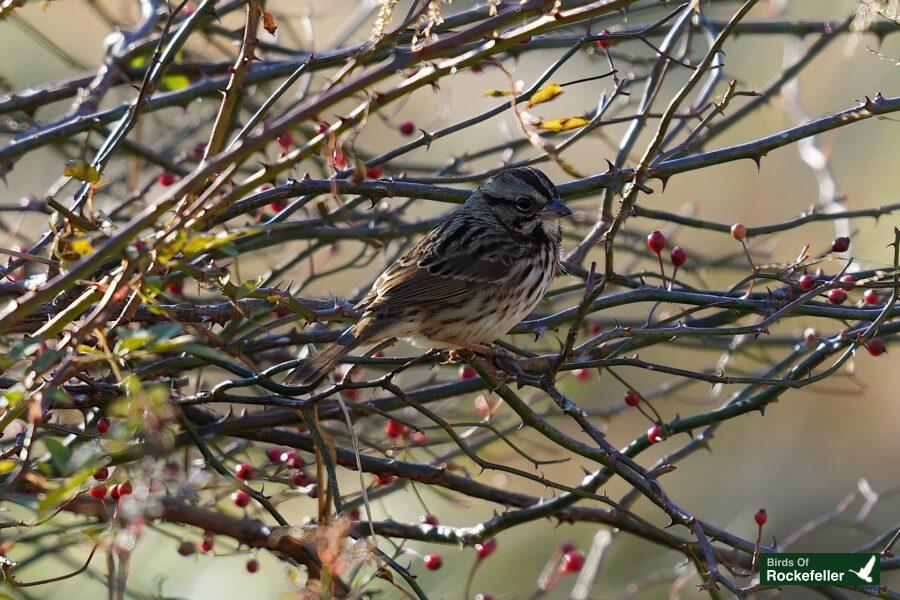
(523,203)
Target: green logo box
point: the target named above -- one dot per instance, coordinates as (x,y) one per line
(825,568)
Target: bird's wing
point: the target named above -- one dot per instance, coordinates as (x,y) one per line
(867,570)
(436,272)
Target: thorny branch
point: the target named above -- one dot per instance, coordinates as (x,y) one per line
(150,336)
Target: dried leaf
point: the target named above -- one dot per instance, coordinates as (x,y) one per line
(564,124)
(269,23)
(545,94)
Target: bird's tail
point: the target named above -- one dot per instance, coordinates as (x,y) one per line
(318,366)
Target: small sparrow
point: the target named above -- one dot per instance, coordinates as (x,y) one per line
(468,281)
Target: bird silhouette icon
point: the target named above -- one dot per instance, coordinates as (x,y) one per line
(866,572)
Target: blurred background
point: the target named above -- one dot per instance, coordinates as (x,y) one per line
(800,460)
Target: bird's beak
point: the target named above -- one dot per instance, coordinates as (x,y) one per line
(555,210)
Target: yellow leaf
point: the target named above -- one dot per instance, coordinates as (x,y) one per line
(207,242)
(498,93)
(81,171)
(564,124)
(176,82)
(545,94)
(81,246)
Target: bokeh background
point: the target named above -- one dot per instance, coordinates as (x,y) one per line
(798,461)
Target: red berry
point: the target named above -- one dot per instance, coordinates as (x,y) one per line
(384,479)
(252,565)
(278,205)
(175,287)
(187,548)
(678,256)
(871,297)
(875,346)
(199,150)
(166,178)
(293,459)
(654,434)
(632,398)
(477,68)
(274,454)
(433,561)
(656,241)
(467,372)
(849,282)
(338,158)
(486,549)
(101,474)
(604,43)
(301,479)
(582,374)
(285,140)
(374,172)
(429,519)
(738,231)
(407,128)
(761,517)
(350,393)
(114,492)
(807,282)
(841,244)
(240,498)
(355,514)
(482,407)
(593,328)
(393,429)
(837,296)
(125,489)
(810,336)
(98,491)
(102,425)
(207,544)
(573,560)
(244,471)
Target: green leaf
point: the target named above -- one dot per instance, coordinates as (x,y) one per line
(54,496)
(81,171)
(58,452)
(47,359)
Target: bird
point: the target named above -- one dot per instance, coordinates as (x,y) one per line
(866,572)
(468,281)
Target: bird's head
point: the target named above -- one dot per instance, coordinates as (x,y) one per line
(522,199)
